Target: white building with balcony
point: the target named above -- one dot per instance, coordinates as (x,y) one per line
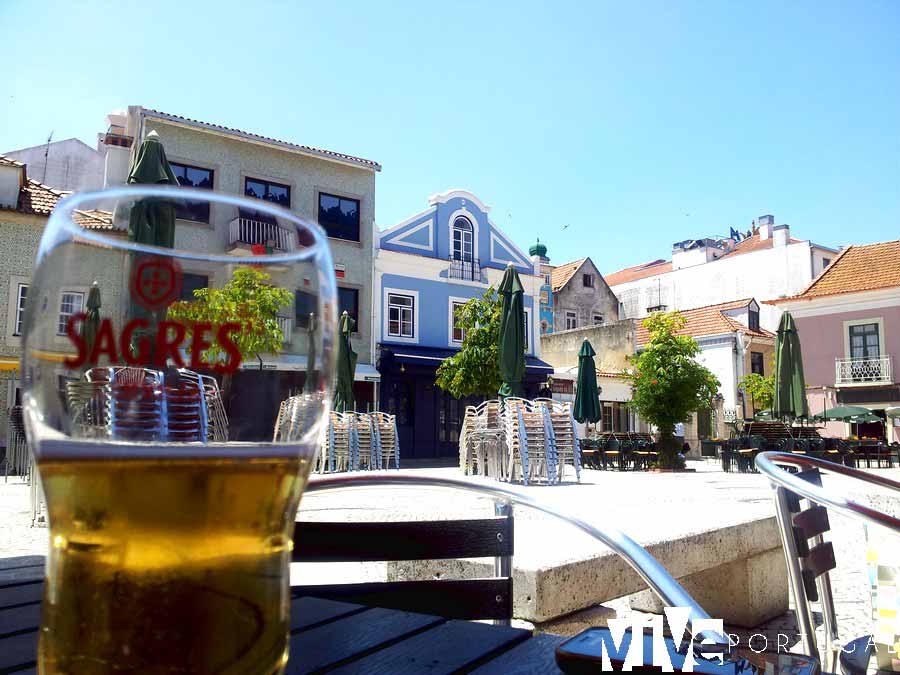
(849,325)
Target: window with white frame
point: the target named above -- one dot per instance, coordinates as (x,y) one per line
(70,303)
(598,319)
(462,239)
(401,315)
(20,308)
(527,323)
(457,333)
(571,320)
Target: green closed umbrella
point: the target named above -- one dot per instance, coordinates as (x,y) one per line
(512,334)
(790,384)
(346,366)
(152,221)
(312,375)
(587,398)
(844,413)
(91,323)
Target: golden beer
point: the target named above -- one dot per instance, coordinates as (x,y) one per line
(169,565)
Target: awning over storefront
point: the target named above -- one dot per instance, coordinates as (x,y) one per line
(365,372)
(415,355)
(9,364)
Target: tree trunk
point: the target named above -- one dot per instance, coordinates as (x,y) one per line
(668,449)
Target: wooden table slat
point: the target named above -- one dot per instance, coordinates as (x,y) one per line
(18,652)
(19,619)
(20,575)
(536,656)
(352,637)
(309,612)
(22,594)
(443,649)
(21,561)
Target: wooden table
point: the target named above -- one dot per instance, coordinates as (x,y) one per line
(325,635)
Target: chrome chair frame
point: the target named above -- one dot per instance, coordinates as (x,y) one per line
(784,483)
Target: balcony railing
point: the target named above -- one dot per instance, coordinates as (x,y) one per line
(246,232)
(869,370)
(287,327)
(468,270)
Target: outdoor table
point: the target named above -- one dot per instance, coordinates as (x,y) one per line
(325,634)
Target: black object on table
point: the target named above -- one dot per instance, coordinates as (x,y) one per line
(325,635)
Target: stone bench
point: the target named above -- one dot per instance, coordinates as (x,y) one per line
(736,571)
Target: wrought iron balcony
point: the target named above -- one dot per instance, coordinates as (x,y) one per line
(287,327)
(246,233)
(869,370)
(468,270)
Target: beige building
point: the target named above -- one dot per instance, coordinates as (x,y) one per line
(335,190)
(581,297)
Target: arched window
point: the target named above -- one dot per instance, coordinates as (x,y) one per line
(462,239)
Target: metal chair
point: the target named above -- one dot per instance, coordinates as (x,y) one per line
(801,505)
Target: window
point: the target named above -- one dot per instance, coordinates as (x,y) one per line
(462,239)
(753,319)
(598,319)
(304,305)
(195,177)
(348,300)
(339,216)
(825,262)
(20,308)
(587,280)
(756,363)
(547,279)
(70,303)
(457,334)
(704,423)
(268,191)
(607,417)
(865,342)
(571,320)
(192,282)
(527,314)
(401,314)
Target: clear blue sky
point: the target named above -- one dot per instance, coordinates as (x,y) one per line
(635,124)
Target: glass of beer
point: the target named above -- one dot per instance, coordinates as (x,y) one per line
(178,358)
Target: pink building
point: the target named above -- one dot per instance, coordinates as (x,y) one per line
(849,325)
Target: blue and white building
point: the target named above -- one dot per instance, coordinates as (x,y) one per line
(425,268)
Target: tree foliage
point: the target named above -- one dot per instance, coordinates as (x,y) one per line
(761,390)
(475,369)
(249,300)
(667,382)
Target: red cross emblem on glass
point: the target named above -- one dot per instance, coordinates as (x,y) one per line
(155,281)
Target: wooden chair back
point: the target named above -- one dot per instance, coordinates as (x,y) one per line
(486,598)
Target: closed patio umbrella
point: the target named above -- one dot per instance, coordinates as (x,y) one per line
(790,384)
(512,334)
(346,366)
(152,221)
(91,323)
(587,400)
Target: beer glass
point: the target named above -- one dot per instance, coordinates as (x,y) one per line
(178,361)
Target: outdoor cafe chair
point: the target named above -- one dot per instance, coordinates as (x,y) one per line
(610,453)
(801,506)
(481,598)
(385,429)
(564,437)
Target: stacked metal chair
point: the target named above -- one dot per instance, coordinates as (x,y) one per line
(385,428)
(528,441)
(565,438)
(369,450)
(88,406)
(186,410)
(339,443)
(18,458)
(137,404)
(216,417)
(481,440)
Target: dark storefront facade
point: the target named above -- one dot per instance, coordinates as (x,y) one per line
(428,418)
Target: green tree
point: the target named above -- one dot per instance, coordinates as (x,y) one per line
(761,390)
(475,369)
(249,300)
(667,382)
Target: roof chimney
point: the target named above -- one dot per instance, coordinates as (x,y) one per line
(765,226)
(781,235)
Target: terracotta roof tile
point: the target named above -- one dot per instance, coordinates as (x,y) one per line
(641,271)
(754,243)
(96,220)
(38,198)
(6,161)
(307,148)
(709,320)
(561,275)
(865,267)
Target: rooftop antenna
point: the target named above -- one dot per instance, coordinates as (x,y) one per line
(46,152)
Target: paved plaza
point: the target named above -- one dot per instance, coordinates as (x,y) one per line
(651,508)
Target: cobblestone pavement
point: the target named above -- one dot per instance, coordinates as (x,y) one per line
(850,581)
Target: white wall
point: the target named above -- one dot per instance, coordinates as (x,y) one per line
(9,186)
(765,275)
(718,355)
(69,165)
